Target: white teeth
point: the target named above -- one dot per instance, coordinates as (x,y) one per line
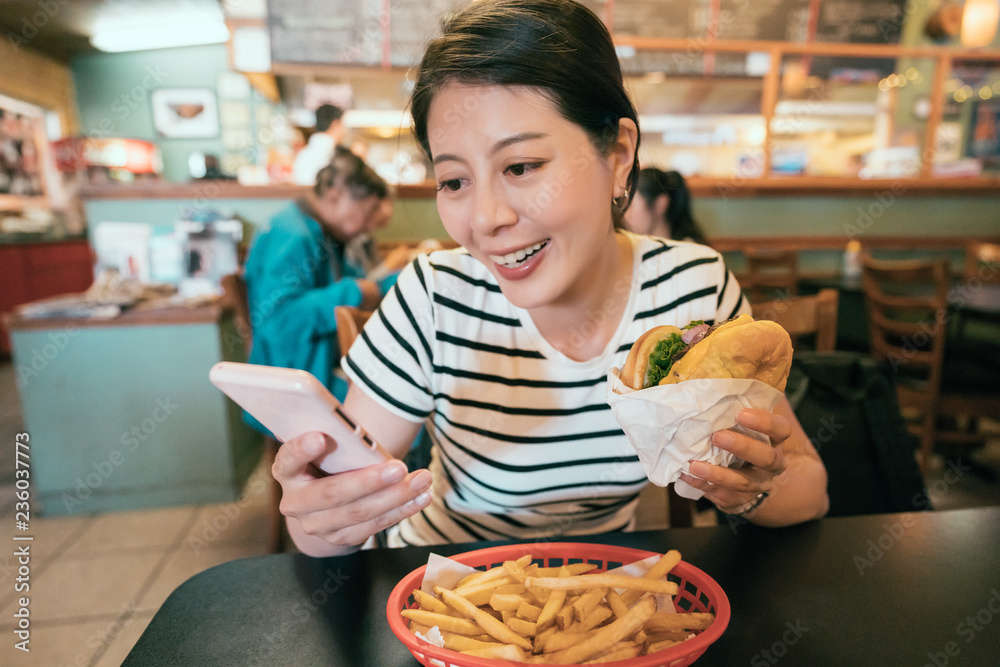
(513,258)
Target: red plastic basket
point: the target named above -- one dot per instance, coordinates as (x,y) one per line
(697,592)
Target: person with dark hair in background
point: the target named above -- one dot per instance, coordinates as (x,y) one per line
(329,132)
(500,349)
(663,207)
(298,270)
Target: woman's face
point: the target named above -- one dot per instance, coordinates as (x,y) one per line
(523,189)
(346,217)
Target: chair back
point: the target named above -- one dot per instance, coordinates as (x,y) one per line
(771,272)
(235,293)
(907,304)
(805,315)
(350,321)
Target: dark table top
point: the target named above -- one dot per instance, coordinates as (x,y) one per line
(897,589)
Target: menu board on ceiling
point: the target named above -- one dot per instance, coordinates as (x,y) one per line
(355,32)
(854,21)
(861,21)
(413,24)
(325,32)
(660,18)
(771,20)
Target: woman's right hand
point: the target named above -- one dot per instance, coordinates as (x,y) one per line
(371,296)
(334,514)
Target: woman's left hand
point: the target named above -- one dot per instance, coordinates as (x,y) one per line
(733,490)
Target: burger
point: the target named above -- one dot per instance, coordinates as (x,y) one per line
(738,348)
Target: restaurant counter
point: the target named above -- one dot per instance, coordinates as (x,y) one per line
(124,413)
(894,589)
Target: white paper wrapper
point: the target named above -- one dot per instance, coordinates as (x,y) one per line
(445,572)
(670,425)
(433,636)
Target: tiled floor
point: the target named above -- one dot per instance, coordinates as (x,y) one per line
(96,581)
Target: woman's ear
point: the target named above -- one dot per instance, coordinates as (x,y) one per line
(623,152)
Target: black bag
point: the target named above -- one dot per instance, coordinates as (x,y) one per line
(847,405)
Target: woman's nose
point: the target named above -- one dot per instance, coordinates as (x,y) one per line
(493,208)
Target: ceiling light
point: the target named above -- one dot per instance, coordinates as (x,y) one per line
(979,22)
(160,37)
(160,25)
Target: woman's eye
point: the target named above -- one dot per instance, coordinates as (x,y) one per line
(452,184)
(521,168)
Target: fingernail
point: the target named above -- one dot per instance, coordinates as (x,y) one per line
(420,481)
(422,499)
(393,472)
(698,468)
(748,419)
(723,438)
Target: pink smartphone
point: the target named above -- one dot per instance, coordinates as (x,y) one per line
(291,402)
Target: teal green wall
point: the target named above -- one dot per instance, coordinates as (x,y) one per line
(885,213)
(412,218)
(113,96)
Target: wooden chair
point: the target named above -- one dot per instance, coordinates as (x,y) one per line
(907,304)
(350,321)
(236,294)
(814,315)
(950,388)
(771,272)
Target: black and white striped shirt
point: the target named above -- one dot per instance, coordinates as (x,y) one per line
(524,443)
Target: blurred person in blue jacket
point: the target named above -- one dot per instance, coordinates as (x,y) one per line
(315,256)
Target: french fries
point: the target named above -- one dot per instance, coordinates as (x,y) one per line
(556,615)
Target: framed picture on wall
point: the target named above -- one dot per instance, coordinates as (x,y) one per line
(22,138)
(185,113)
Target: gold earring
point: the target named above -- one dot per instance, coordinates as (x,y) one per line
(622,200)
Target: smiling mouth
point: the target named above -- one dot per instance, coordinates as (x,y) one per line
(514,259)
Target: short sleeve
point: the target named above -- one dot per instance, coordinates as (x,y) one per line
(731,301)
(392,358)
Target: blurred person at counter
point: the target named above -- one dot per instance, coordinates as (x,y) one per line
(663,207)
(316,154)
(300,268)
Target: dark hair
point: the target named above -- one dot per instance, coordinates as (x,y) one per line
(558,47)
(349,171)
(652,183)
(326,114)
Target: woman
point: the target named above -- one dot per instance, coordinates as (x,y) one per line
(501,348)
(663,207)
